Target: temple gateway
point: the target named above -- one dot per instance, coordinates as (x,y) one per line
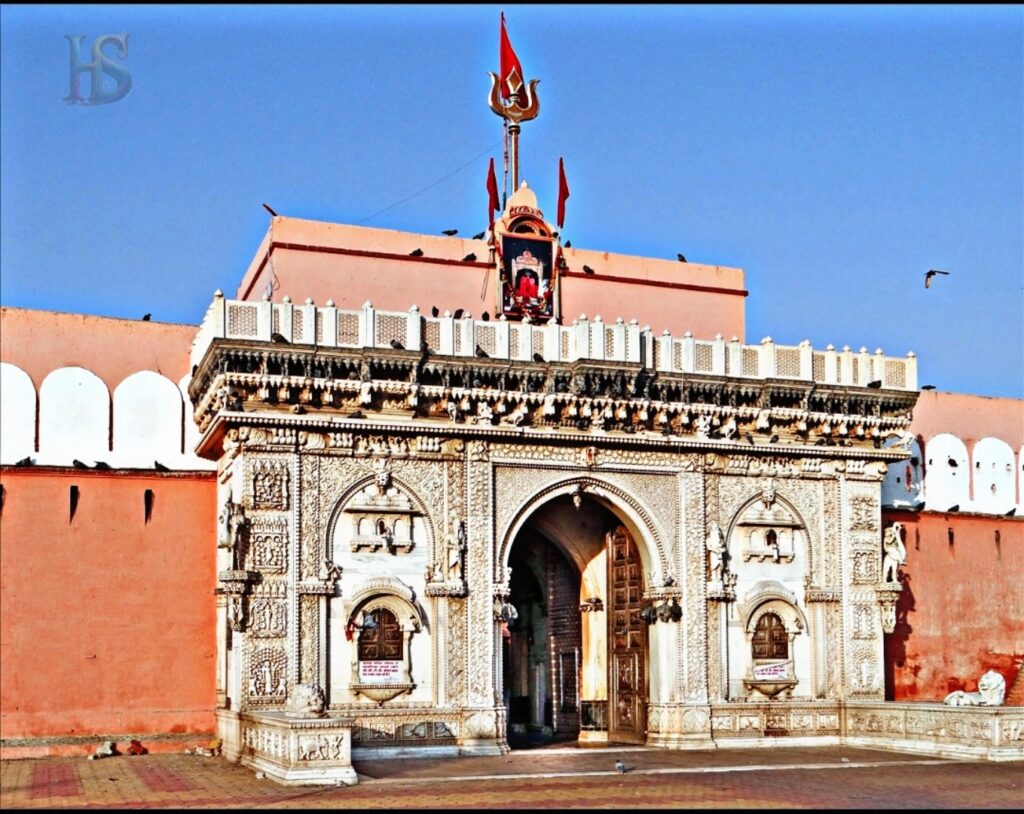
(440,534)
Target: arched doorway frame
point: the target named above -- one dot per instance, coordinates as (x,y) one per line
(630,512)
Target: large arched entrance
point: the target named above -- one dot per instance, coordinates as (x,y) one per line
(575,660)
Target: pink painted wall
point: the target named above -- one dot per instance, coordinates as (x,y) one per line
(108,621)
(961,611)
(41,341)
(969,417)
(353,264)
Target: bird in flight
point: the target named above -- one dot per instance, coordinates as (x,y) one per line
(450,232)
(930,274)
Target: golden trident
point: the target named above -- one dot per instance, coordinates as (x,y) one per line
(514,112)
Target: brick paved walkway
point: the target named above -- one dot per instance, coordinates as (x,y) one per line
(560,778)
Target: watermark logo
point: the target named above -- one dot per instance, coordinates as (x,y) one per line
(101,64)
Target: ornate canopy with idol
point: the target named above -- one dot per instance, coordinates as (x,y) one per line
(528,258)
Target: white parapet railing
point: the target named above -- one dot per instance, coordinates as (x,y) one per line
(584,339)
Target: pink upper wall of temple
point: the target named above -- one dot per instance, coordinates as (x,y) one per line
(353,264)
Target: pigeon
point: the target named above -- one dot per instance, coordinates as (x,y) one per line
(271,211)
(469,258)
(750,438)
(481,353)
(928,387)
(416,253)
(434,311)
(450,232)
(568,244)
(298,409)
(954,508)
(953,463)
(876,384)
(485,317)
(620,767)
(397,345)
(479,236)
(1011,513)
(279,338)
(587,269)
(918,506)
(930,274)
(102,465)
(26,461)
(457,314)
(147,317)
(77,464)
(774,439)
(681,258)
(356,414)
(159,467)
(538,357)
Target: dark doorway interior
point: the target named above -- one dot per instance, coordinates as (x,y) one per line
(542,646)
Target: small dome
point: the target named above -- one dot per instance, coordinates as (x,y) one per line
(523,201)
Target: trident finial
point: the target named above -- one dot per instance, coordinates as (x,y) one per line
(510,86)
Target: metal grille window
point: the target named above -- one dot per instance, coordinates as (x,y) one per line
(770,640)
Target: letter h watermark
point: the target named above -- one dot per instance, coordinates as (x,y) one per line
(101,64)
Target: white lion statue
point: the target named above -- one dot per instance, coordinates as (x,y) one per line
(306,700)
(991,691)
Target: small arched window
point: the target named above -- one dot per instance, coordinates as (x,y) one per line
(770,639)
(380,638)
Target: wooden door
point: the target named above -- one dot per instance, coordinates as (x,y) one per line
(627,642)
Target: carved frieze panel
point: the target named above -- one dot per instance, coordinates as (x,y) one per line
(267,675)
(321,747)
(309,649)
(268,618)
(268,544)
(865,567)
(268,483)
(863,622)
(265,742)
(863,512)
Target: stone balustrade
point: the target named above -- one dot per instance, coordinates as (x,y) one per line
(591,340)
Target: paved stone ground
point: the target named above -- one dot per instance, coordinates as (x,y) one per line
(831,777)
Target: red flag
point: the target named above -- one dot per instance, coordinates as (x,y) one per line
(492,193)
(511,70)
(563,193)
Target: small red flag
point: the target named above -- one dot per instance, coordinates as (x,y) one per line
(492,193)
(511,70)
(563,193)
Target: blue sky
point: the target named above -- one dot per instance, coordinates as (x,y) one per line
(835,153)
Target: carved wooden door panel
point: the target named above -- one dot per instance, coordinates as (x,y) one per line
(627,642)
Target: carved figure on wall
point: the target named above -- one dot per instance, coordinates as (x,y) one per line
(704,425)
(232,522)
(382,475)
(894,552)
(455,549)
(717,554)
(991,691)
